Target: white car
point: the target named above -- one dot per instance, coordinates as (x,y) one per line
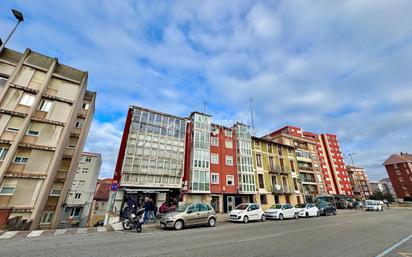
(307,210)
(246,212)
(373,205)
(282,211)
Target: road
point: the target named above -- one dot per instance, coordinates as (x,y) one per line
(347,234)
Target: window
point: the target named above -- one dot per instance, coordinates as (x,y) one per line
(20,160)
(85,106)
(230,180)
(269,148)
(7,190)
(257,143)
(282,165)
(215,178)
(78,124)
(31,132)
(229,144)
(55,192)
(77,196)
(295,184)
(271,163)
(47,217)
(214,158)
(2,81)
(279,150)
(84,171)
(261,181)
(14,124)
(88,159)
(3,153)
(27,100)
(75,212)
(292,165)
(229,160)
(263,199)
(214,141)
(259,160)
(45,105)
(82,182)
(228,132)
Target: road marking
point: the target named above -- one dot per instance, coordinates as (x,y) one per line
(405,254)
(82,231)
(101,229)
(390,249)
(9,234)
(60,232)
(35,233)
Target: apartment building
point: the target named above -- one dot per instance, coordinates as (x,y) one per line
(45,116)
(359,182)
(80,195)
(309,168)
(276,173)
(100,201)
(399,168)
(197,170)
(383,186)
(333,167)
(150,161)
(223,168)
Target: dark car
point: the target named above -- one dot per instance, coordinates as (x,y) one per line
(326,208)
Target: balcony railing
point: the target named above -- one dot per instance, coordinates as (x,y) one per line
(280,189)
(278,170)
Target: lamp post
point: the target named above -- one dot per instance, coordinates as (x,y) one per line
(19,17)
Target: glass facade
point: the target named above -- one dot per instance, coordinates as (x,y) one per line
(246,175)
(155,150)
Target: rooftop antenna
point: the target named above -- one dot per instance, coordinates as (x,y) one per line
(204,106)
(251,115)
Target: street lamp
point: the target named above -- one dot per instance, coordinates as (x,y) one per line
(19,17)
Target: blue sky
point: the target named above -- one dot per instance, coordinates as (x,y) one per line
(340,67)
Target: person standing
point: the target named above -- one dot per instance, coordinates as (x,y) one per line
(146,207)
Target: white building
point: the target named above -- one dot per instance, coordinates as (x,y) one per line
(80,196)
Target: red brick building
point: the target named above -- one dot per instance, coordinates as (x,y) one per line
(399,168)
(333,165)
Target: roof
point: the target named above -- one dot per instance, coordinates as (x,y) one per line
(154,111)
(91,154)
(102,191)
(398,158)
(270,141)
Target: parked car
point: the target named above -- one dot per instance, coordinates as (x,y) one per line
(189,215)
(246,212)
(282,211)
(307,210)
(373,205)
(326,208)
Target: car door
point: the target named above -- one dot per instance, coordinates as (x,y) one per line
(253,212)
(191,215)
(291,211)
(310,209)
(203,213)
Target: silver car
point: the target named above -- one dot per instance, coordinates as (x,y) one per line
(189,215)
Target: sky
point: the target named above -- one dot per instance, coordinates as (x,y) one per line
(340,67)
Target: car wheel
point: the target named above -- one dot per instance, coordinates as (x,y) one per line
(127,224)
(307,215)
(296,216)
(263,218)
(318,214)
(245,219)
(280,216)
(179,224)
(212,222)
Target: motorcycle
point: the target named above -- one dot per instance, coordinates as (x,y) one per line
(134,220)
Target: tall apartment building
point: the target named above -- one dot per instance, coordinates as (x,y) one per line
(80,195)
(399,168)
(359,182)
(383,186)
(305,145)
(333,165)
(276,173)
(45,116)
(151,159)
(223,168)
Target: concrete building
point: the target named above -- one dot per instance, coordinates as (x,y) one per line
(399,168)
(45,115)
(305,145)
(276,173)
(335,177)
(359,182)
(383,186)
(80,195)
(150,161)
(100,201)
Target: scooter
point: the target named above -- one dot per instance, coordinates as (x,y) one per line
(134,220)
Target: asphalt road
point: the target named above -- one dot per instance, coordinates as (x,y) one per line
(347,234)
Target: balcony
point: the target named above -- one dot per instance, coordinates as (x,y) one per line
(281,189)
(278,171)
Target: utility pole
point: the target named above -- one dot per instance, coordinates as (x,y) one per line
(251,115)
(355,176)
(19,17)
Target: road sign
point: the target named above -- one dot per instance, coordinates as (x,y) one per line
(115,186)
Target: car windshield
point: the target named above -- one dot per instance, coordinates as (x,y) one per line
(276,206)
(182,208)
(301,205)
(242,207)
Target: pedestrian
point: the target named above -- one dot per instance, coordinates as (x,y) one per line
(151,208)
(146,207)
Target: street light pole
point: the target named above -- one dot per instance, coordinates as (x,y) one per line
(19,17)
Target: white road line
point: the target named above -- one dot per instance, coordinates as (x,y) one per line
(390,249)
(60,232)
(9,234)
(35,233)
(101,229)
(82,231)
